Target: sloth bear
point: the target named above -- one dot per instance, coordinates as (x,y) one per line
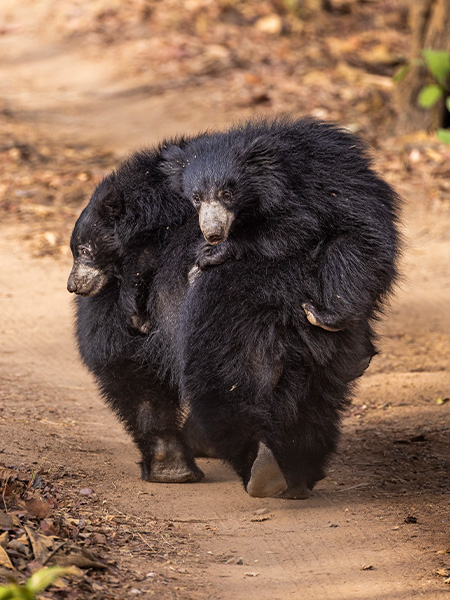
(260,328)
(116,244)
(299,252)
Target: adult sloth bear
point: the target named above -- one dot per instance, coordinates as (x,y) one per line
(264,343)
(116,245)
(300,250)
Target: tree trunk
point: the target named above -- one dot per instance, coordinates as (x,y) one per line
(430,28)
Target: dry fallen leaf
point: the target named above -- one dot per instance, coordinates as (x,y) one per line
(78,557)
(442,572)
(39,544)
(4,559)
(5,520)
(37,508)
(7,475)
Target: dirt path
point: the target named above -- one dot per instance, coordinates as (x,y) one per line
(356,516)
(385,503)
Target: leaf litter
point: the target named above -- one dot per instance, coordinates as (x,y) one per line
(43,524)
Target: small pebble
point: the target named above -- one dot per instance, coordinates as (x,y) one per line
(235,561)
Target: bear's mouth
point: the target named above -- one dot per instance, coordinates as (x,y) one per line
(214,240)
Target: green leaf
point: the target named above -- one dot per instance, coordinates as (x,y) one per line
(429,95)
(6,593)
(444,135)
(15,592)
(40,580)
(438,62)
(447,103)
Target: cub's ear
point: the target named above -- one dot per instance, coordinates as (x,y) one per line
(172,165)
(260,154)
(109,201)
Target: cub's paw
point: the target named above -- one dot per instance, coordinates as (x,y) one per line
(210,256)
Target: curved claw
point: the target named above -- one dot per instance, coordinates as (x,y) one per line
(313,319)
(266,478)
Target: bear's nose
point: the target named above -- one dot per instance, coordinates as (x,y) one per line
(72,285)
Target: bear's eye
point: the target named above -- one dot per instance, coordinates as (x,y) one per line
(196,200)
(85,252)
(226,196)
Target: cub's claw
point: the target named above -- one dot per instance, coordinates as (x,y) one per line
(318,319)
(141,323)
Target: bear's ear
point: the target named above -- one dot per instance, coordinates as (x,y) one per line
(172,165)
(260,154)
(110,202)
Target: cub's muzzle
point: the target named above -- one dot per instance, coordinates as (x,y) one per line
(215,222)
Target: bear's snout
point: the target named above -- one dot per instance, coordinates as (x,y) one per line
(215,222)
(86,281)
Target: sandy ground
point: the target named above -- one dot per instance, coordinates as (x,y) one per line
(376,528)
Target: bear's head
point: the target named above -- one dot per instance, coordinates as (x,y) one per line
(94,242)
(230,180)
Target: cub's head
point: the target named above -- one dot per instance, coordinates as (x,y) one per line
(228,178)
(94,244)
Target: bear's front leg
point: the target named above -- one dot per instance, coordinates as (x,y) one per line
(168,460)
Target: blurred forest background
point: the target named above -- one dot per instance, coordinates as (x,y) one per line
(80,80)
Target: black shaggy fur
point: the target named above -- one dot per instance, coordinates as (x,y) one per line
(313,227)
(121,234)
(313,231)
